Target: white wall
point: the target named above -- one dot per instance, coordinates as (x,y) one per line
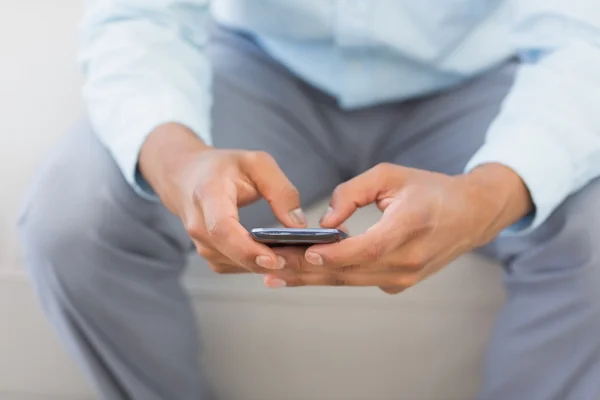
(39,95)
(39,99)
(423,345)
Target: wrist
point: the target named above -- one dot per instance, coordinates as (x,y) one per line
(500,197)
(165,152)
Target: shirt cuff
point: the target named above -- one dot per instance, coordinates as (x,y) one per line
(140,118)
(543,165)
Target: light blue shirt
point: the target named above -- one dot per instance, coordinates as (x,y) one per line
(145,65)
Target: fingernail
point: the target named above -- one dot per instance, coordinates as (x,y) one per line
(298,216)
(314,258)
(280,262)
(265,262)
(327,214)
(275,283)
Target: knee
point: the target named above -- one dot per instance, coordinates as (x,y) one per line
(73,220)
(63,220)
(56,236)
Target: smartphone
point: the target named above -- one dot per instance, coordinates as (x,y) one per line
(297,236)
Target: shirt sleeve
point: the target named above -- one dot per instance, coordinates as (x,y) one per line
(144,65)
(548,129)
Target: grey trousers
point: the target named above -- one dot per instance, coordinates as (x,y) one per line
(106,263)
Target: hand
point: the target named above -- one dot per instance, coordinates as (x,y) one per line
(428,220)
(205,186)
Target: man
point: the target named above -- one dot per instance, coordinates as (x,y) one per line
(389,102)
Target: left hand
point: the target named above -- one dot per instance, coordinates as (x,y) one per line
(428,220)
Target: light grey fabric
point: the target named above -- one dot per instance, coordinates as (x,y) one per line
(106,263)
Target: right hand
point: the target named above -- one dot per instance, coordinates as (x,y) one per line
(205,187)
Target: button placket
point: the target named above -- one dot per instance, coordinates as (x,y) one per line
(352,23)
(353,42)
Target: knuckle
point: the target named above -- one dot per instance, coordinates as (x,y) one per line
(204,189)
(418,218)
(415,230)
(392,290)
(335,280)
(194,229)
(198,192)
(253,269)
(405,281)
(291,193)
(384,168)
(411,264)
(412,190)
(347,268)
(219,268)
(238,271)
(261,156)
(295,281)
(205,252)
(219,230)
(333,259)
(399,284)
(375,251)
(286,193)
(298,262)
(338,192)
(248,261)
(416,259)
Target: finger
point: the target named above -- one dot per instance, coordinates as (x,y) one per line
(392,289)
(218,205)
(358,192)
(344,229)
(287,278)
(224,268)
(208,253)
(228,268)
(295,259)
(396,228)
(220,264)
(367,249)
(215,260)
(276,188)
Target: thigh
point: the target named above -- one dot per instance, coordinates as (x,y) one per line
(260,105)
(441,132)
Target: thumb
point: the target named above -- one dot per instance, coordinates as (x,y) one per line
(358,192)
(276,189)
